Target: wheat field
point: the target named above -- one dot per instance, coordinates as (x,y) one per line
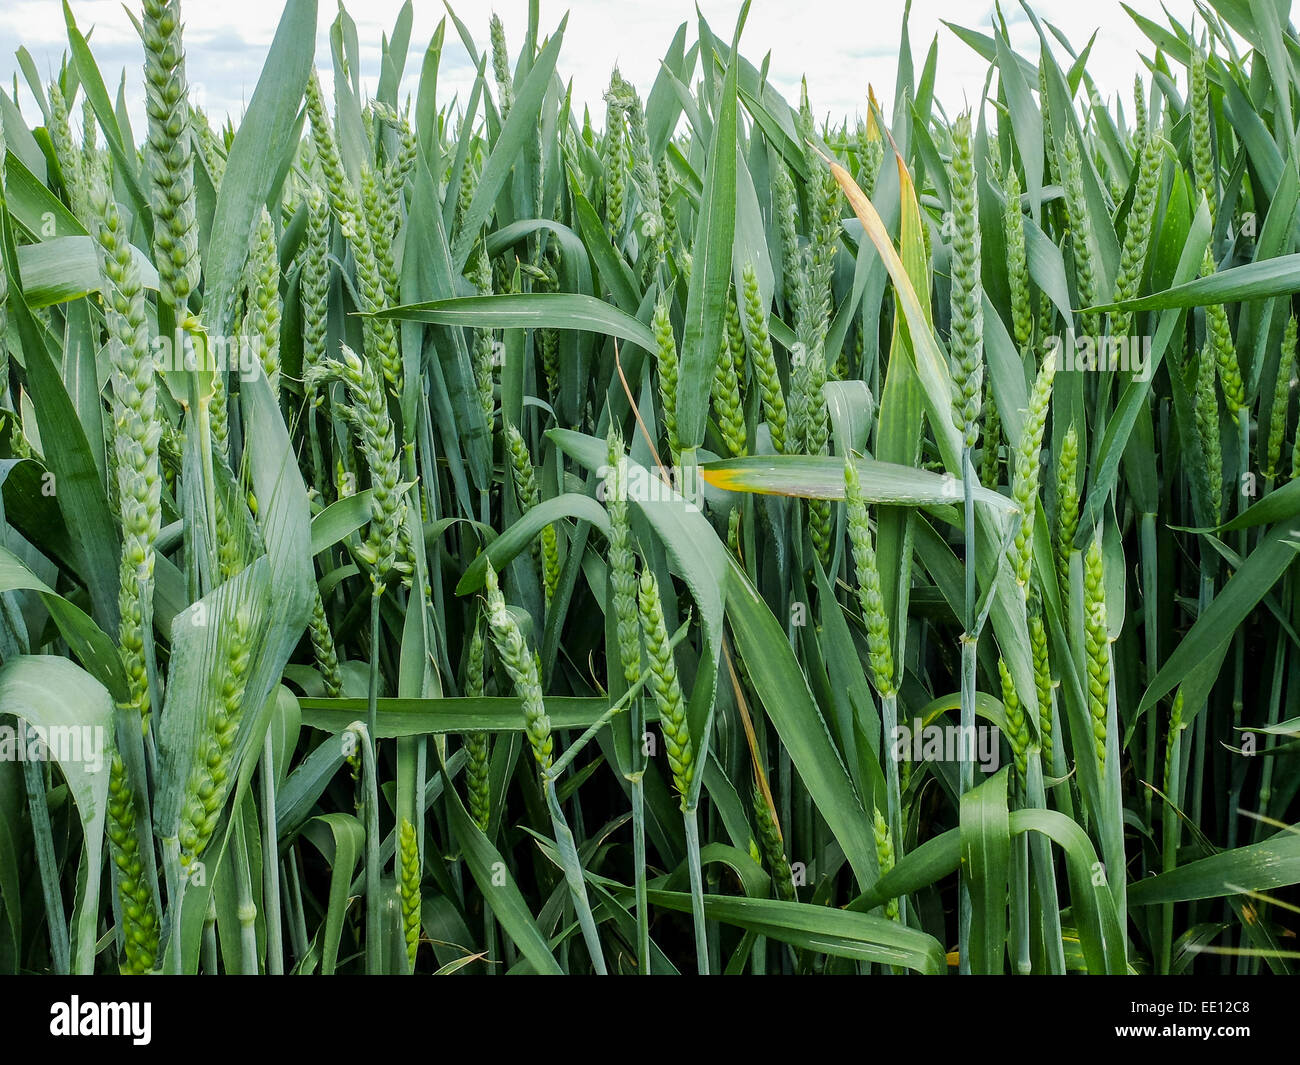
(490,534)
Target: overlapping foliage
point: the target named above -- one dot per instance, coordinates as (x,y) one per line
(487,537)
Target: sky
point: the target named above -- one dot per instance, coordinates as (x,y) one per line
(840,46)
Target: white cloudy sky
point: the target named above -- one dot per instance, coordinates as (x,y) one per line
(841,45)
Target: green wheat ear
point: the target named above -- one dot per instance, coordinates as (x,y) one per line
(884,855)
(1137,234)
(323,648)
(728,400)
(667,185)
(773,847)
(501,66)
(169,152)
(1295,455)
(522,666)
(1097,638)
(1140,127)
(484,353)
(1281,399)
(1076,209)
(377,204)
(1202,149)
(991,453)
(1022,315)
(478,769)
(1053,167)
(665,687)
(1176,725)
(667,363)
(380,334)
(871,151)
(967,289)
(1024,489)
(138,427)
(763,359)
(1043,684)
(210,149)
(1067,504)
(210,778)
(622,561)
(645,174)
(71,164)
(465,193)
(262,319)
(1017,721)
(387,547)
(1222,349)
(409,888)
(139,915)
(809,414)
(615,163)
(879,649)
(314,287)
(1209,430)
(786,208)
(546,547)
